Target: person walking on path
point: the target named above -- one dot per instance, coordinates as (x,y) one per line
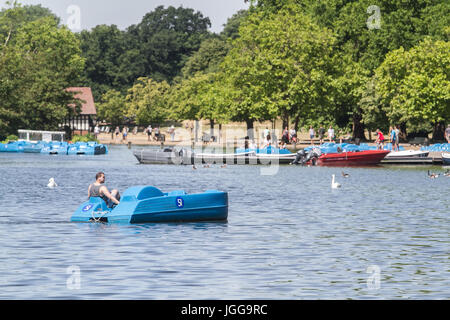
(312,134)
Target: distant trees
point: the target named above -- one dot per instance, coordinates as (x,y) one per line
(157,47)
(363,47)
(414,85)
(280,66)
(38,61)
(305,62)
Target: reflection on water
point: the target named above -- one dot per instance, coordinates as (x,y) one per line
(288,236)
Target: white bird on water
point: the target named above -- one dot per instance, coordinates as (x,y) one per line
(334,184)
(51,183)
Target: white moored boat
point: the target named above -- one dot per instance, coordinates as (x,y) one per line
(407,153)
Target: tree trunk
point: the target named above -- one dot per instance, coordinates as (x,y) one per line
(250,132)
(285,122)
(358,126)
(296,122)
(439,131)
(403,132)
(211,131)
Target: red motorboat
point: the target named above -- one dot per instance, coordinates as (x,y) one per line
(356,158)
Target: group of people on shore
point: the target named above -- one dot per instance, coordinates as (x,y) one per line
(117,132)
(394,138)
(157,133)
(321,134)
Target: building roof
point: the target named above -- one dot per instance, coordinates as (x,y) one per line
(87,100)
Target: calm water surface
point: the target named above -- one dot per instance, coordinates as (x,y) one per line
(288,236)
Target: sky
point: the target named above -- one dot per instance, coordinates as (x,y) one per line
(86,14)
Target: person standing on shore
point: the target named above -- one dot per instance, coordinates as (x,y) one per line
(380,140)
(293,135)
(331,134)
(393,138)
(96,131)
(321,133)
(125,133)
(397,137)
(312,134)
(117,131)
(447,134)
(285,137)
(149,133)
(172,133)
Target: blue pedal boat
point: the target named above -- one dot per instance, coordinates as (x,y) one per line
(33,147)
(144,204)
(87,148)
(55,147)
(12,146)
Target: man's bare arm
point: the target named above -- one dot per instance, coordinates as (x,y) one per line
(106,192)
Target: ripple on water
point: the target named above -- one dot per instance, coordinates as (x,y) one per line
(288,236)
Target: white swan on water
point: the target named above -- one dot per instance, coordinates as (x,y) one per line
(334,184)
(51,183)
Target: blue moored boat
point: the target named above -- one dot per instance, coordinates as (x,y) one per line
(87,148)
(12,146)
(55,147)
(144,204)
(33,147)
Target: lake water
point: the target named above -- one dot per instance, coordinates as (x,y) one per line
(383,235)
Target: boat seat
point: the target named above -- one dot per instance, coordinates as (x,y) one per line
(176,193)
(98,200)
(211,191)
(141,193)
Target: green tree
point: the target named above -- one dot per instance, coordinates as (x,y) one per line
(231,28)
(281,65)
(208,58)
(402,24)
(166,37)
(37,63)
(112,59)
(147,101)
(414,85)
(202,96)
(112,108)
(15,16)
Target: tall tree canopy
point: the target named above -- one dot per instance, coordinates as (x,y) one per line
(157,47)
(280,65)
(414,85)
(38,61)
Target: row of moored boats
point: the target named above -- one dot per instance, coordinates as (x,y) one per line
(54,147)
(325,154)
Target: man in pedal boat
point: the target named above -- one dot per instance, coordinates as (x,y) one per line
(98,189)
